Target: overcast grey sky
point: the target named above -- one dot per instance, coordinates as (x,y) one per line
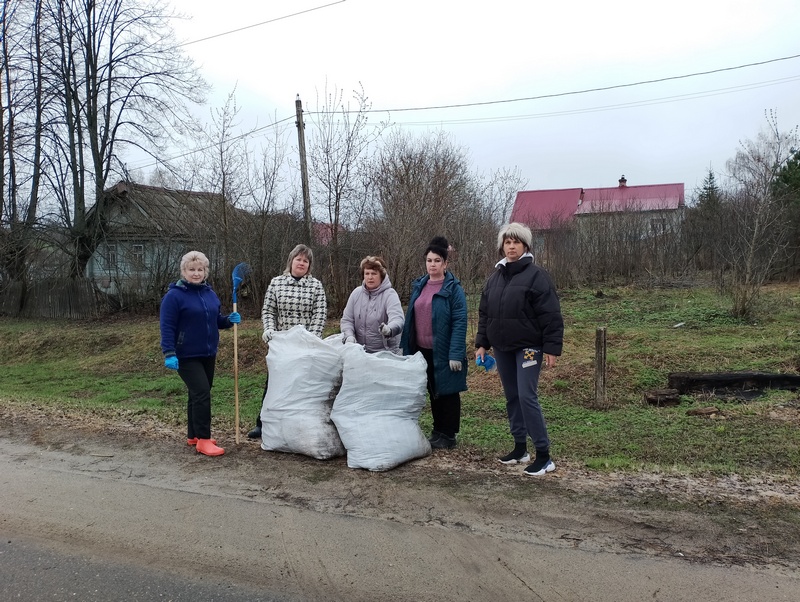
(430,53)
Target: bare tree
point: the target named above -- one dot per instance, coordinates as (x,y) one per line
(122,82)
(475,229)
(224,170)
(339,153)
(423,188)
(21,110)
(499,192)
(754,217)
(278,223)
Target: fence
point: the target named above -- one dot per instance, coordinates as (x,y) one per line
(50,298)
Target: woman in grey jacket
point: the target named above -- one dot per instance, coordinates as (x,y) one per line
(373,316)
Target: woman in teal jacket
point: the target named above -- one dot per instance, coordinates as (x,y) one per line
(436,325)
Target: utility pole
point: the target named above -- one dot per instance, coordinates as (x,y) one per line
(301,143)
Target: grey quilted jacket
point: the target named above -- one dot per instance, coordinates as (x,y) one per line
(367,310)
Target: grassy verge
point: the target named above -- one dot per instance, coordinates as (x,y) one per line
(115,365)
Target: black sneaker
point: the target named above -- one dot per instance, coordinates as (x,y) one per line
(443,442)
(255,433)
(540,466)
(515,457)
(434,437)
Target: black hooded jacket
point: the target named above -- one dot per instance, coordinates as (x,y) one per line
(519,309)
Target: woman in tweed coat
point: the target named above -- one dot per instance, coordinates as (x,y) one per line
(295,297)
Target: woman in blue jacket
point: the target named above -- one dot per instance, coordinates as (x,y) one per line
(190,324)
(436,325)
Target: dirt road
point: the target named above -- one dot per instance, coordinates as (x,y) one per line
(448,527)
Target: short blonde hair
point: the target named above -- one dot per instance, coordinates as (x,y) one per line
(371,262)
(514,231)
(299,250)
(194,257)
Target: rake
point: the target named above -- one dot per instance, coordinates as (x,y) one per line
(240,272)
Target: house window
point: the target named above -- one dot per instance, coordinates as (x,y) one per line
(137,256)
(111,256)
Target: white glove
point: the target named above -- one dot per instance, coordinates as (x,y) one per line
(267,336)
(385,330)
(455,366)
(350,340)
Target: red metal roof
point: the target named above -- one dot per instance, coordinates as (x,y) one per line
(546,209)
(651,197)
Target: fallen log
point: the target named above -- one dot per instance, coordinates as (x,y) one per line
(688,382)
(662,397)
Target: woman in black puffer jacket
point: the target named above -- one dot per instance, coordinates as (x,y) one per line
(519,318)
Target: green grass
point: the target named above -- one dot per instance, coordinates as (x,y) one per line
(115,365)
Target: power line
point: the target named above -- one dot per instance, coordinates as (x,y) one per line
(678,98)
(586,90)
(626,105)
(219,35)
(510,100)
(210,146)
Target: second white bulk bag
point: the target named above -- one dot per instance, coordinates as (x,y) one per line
(377,409)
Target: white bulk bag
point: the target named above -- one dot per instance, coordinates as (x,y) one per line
(304,376)
(377,409)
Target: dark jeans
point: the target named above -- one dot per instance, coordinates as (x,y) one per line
(445,409)
(519,372)
(198,374)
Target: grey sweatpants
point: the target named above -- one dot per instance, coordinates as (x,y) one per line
(519,372)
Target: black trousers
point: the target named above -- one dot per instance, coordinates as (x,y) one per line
(445,409)
(198,374)
(258,418)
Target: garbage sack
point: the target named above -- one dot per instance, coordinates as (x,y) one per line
(377,408)
(305,373)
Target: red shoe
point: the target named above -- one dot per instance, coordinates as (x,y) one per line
(194,441)
(208,448)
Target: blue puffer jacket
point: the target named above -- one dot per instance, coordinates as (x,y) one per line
(449,316)
(190,320)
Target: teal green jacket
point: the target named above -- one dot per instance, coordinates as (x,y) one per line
(449,315)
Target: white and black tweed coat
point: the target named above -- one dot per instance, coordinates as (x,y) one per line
(289,302)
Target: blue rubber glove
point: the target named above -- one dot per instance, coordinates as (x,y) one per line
(488,362)
(234,318)
(171,362)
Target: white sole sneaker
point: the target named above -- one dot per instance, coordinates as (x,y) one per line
(522,460)
(549,467)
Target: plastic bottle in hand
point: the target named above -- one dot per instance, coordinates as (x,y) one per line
(487,362)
